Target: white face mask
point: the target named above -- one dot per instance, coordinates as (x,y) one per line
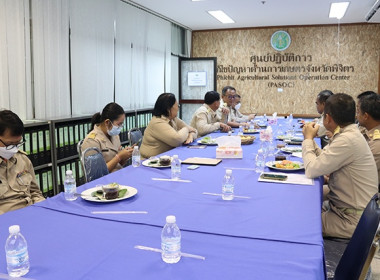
(115,130)
(237,106)
(7,154)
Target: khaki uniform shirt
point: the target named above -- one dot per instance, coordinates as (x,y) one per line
(205,120)
(353,177)
(18,186)
(321,129)
(373,139)
(109,148)
(222,117)
(162,135)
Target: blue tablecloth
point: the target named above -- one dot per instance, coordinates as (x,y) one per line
(276,234)
(63,246)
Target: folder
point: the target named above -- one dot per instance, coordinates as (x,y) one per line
(50,183)
(63,174)
(71,140)
(47,146)
(37,176)
(81,131)
(45,184)
(76,134)
(34,148)
(66,141)
(61,143)
(41,147)
(27,144)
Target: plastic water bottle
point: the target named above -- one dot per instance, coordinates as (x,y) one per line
(228,186)
(16,251)
(240,130)
(171,241)
(136,157)
(70,186)
(260,161)
(176,168)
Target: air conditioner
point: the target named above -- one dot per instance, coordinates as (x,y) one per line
(372,12)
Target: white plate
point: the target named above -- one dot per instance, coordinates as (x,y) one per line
(87,194)
(291,149)
(209,144)
(271,163)
(155,165)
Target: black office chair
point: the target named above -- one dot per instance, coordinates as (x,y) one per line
(359,250)
(94,164)
(135,136)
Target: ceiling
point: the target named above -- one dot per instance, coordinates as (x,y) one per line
(253,13)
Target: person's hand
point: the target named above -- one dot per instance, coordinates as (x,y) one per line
(310,130)
(329,134)
(190,139)
(225,127)
(251,116)
(243,124)
(225,111)
(125,153)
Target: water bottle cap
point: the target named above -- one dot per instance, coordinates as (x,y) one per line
(69,172)
(136,147)
(228,172)
(14,229)
(175,156)
(170,219)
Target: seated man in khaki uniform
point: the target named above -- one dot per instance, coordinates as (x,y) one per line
(18,186)
(228,101)
(368,116)
(239,117)
(349,161)
(205,120)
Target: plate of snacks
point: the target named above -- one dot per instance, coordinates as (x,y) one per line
(158,162)
(207,141)
(108,193)
(285,165)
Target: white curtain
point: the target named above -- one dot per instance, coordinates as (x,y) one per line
(92,54)
(143,64)
(15,62)
(51,58)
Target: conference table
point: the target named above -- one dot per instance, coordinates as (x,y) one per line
(275,233)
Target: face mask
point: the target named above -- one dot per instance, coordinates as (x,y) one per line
(7,154)
(237,106)
(115,130)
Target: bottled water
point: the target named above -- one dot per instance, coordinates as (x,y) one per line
(240,130)
(228,186)
(136,157)
(171,241)
(176,168)
(260,161)
(70,186)
(16,251)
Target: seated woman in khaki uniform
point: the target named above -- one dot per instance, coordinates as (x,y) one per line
(105,132)
(165,131)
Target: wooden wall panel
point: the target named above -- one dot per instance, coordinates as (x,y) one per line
(352,66)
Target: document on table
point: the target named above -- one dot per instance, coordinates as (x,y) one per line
(297,179)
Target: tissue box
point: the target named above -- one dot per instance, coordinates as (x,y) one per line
(229,152)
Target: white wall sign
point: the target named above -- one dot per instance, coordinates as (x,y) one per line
(197,79)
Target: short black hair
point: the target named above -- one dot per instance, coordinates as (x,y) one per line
(163,104)
(226,88)
(323,95)
(238,96)
(211,97)
(370,104)
(341,107)
(366,93)
(9,120)
(111,112)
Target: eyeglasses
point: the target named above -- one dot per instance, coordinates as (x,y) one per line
(232,97)
(11,146)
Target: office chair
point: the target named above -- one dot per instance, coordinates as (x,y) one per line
(94,164)
(359,250)
(79,149)
(135,136)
